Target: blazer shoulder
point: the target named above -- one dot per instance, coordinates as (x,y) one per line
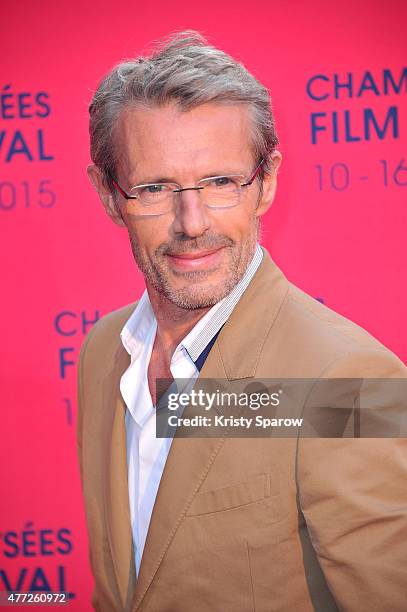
(320,332)
(104,337)
(304,306)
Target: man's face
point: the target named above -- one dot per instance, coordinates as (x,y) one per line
(192,255)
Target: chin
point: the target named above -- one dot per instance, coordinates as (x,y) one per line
(192,298)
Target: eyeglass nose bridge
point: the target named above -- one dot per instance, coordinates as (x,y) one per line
(186,189)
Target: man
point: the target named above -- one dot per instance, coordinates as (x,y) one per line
(184,151)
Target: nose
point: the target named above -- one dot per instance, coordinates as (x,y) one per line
(191,216)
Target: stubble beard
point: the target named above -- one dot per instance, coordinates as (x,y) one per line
(195,293)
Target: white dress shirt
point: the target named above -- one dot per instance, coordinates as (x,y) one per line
(147,454)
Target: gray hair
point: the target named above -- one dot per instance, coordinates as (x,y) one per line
(186,69)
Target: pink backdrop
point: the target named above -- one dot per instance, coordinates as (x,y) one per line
(337,227)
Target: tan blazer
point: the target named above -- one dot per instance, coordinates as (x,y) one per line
(246,524)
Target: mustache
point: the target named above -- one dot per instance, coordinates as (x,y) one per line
(181,246)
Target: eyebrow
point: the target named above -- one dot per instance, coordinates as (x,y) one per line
(154,180)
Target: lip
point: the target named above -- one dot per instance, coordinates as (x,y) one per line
(193,261)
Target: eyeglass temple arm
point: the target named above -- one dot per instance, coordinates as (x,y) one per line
(119,189)
(255,173)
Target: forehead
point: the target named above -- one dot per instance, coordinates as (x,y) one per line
(212,137)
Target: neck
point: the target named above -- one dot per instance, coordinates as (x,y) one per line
(173,322)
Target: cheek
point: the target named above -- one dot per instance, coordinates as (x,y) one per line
(241,214)
(240,223)
(148,234)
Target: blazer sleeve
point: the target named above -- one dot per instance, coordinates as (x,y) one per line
(79,432)
(81,400)
(353,494)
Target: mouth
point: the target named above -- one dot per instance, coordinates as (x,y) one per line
(199,260)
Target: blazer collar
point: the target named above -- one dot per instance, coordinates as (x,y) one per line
(242,338)
(235,355)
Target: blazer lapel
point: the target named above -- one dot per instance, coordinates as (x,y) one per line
(188,462)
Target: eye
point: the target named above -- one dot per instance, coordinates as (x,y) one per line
(222,181)
(154,188)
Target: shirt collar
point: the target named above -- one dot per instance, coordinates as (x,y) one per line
(138,327)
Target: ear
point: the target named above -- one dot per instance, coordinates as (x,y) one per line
(106,197)
(269,184)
